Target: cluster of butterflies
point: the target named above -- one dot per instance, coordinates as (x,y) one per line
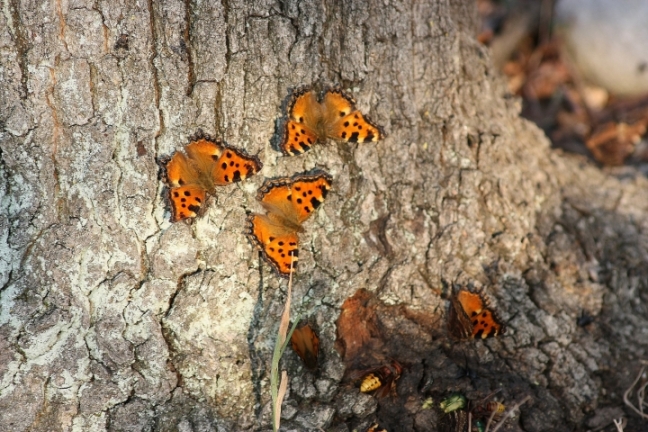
(206,162)
(289,201)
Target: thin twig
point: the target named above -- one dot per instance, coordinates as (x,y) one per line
(626,395)
(620,424)
(488,396)
(508,413)
(641,401)
(469,421)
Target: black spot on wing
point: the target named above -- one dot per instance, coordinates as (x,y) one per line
(315,203)
(354,137)
(194,208)
(237,176)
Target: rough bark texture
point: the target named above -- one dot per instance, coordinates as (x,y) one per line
(112,318)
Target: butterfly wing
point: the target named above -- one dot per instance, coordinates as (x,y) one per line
(276,197)
(186,194)
(345,123)
(186,202)
(293,199)
(204,151)
(459,324)
(181,172)
(305,343)
(307,193)
(481,320)
(304,119)
(485,325)
(289,201)
(221,164)
(234,165)
(279,246)
(298,139)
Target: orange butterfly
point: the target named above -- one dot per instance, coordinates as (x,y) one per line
(470,316)
(206,164)
(289,201)
(310,121)
(305,343)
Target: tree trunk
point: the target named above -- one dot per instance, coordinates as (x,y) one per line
(113,318)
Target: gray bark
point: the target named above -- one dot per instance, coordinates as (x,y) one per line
(112,318)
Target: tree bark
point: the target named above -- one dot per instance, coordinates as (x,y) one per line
(112,318)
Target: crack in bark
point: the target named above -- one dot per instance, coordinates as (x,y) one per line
(21,45)
(61,206)
(191,76)
(156,80)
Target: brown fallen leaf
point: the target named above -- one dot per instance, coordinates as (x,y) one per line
(612,142)
(357,325)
